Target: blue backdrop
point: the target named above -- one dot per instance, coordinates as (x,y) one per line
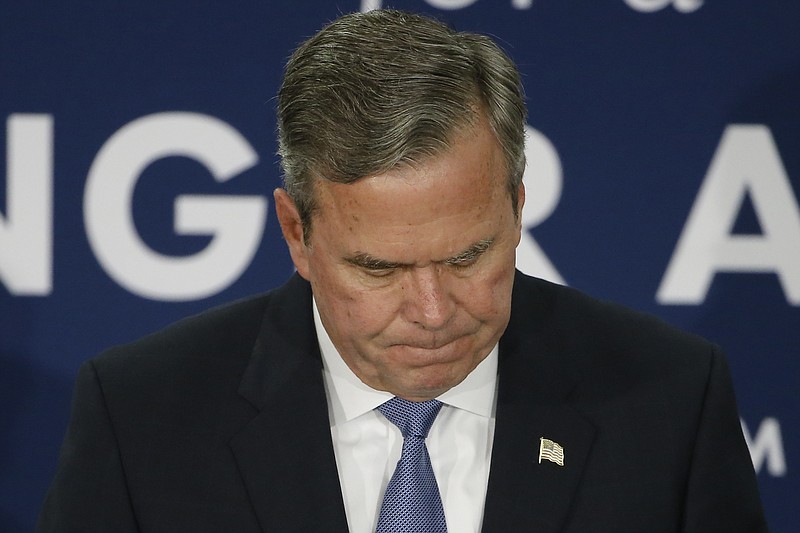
(664,150)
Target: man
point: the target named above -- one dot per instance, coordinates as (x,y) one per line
(402,146)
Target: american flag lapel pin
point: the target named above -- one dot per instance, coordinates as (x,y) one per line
(551,451)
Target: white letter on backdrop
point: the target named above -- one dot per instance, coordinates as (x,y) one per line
(649,6)
(235,222)
(746,161)
(766,447)
(543,185)
(370,5)
(26,231)
(451,4)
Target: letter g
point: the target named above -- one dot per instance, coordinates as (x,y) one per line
(236,223)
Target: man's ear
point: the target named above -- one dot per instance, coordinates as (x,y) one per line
(520,205)
(292,229)
(520,200)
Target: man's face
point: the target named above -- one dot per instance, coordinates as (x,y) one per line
(412,269)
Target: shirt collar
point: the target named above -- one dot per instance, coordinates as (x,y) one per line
(350,397)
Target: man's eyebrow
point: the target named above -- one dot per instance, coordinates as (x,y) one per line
(471,253)
(369,262)
(366,261)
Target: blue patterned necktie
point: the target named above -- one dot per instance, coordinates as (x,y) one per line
(412,502)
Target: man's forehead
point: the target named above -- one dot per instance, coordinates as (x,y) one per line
(433,211)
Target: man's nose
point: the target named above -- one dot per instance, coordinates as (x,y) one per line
(429,301)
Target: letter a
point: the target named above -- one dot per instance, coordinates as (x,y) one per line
(746,161)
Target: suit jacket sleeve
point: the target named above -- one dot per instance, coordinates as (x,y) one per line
(722,494)
(89,491)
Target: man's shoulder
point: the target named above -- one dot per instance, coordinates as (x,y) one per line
(226,331)
(583,324)
(608,354)
(220,340)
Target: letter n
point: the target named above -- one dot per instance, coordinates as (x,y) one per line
(26,230)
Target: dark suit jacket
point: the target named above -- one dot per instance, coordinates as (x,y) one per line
(220,423)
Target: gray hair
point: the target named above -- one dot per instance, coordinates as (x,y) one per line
(373,91)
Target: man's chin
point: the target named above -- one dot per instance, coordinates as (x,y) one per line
(426,384)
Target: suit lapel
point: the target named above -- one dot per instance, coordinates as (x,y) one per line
(285,454)
(534,384)
(524,494)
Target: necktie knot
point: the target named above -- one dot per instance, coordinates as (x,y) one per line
(413,418)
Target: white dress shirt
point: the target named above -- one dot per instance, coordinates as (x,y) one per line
(368,446)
